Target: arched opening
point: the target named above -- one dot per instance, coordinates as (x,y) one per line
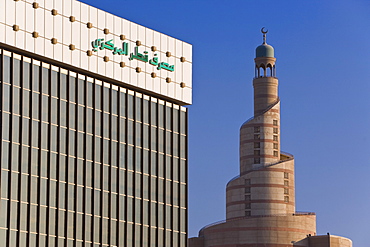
(262,71)
(269,70)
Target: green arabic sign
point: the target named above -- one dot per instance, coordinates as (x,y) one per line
(99,44)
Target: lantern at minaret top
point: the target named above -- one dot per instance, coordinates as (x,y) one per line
(265,82)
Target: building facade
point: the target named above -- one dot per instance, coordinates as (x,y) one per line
(260,201)
(93,129)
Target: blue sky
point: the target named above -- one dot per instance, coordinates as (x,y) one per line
(323,65)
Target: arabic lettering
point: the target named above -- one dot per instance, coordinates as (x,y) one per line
(100,44)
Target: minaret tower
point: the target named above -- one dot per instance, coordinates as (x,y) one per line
(260,201)
(266,182)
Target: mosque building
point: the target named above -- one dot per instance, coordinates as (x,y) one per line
(260,201)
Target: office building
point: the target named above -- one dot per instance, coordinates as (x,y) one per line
(93,128)
(260,201)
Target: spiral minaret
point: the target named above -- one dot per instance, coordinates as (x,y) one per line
(266,182)
(260,201)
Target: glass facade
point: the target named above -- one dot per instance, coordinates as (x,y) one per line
(86,162)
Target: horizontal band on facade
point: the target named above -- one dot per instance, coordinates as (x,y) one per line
(268,169)
(258,140)
(258,185)
(259,201)
(258,156)
(252,124)
(256,96)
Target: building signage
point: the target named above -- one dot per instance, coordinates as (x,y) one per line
(100,44)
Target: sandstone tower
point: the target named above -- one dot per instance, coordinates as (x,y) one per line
(260,201)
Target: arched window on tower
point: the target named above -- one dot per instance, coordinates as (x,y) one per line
(262,71)
(269,70)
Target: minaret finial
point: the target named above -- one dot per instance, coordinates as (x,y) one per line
(264,34)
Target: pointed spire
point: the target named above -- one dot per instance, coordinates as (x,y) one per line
(264,34)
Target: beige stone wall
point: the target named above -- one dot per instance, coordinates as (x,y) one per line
(264,130)
(324,241)
(267,191)
(272,231)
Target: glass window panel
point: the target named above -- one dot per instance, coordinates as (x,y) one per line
(89,120)
(79,198)
(35,105)
(138,191)
(138,134)
(26,75)
(45,108)
(54,83)
(5,155)
(63,140)
(43,191)
(52,194)
(122,156)
(81,92)
(25,159)
(34,161)
(97,172)
(161,165)
(175,145)
(183,122)
(81,118)
(122,181)
(114,102)
(15,129)
(153,113)
(45,81)
(71,142)
(98,99)
(169,142)
(160,140)
(146,136)
(89,94)
(63,113)
(35,78)
(63,86)
(89,147)
(97,153)
(161,115)
(6,93)
(4,214)
(106,154)
(80,172)
(72,116)
(62,195)
(130,106)
(114,174)
(168,118)
(72,89)
(175,167)
(53,111)
(16,100)
(113,206)
(88,201)
(122,104)
(153,163)
(130,183)
(6,69)
(71,170)
(4,184)
(25,131)
(53,138)
(138,161)
(106,125)
(183,146)
(26,103)
(98,123)
(80,145)
(62,167)
(16,72)
(130,132)
(15,157)
(23,216)
(97,202)
(114,127)
(106,99)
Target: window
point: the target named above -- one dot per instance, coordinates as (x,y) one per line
(257,129)
(286,198)
(257,145)
(275,138)
(286,183)
(286,175)
(276,154)
(247,181)
(257,160)
(256,152)
(257,137)
(247,206)
(276,146)
(286,191)
(247,190)
(247,197)
(247,213)
(275,122)
(275,130)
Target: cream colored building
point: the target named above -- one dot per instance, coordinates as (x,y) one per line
(260,202)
